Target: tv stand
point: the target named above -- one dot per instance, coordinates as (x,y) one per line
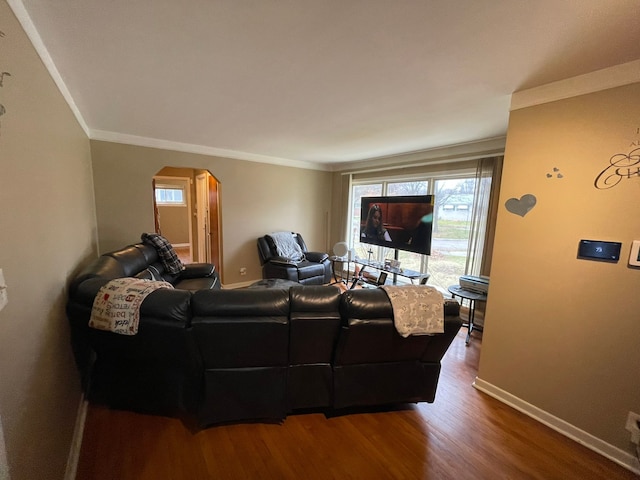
(403,272)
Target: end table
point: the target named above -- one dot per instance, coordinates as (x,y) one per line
(473,297)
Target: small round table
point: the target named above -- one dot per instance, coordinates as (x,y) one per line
(473,297)
(342,260)
(274,283)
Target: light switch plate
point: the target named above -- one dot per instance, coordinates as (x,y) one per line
(634,256)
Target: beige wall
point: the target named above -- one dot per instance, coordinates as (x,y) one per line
(256,198)
(562,333)
(174,222)
(47,229)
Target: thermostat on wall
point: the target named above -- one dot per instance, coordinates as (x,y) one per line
(598,250)
(634,256)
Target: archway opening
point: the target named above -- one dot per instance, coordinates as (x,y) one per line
(186,205)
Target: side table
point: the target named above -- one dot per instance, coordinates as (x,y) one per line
(473,297)
(342,260)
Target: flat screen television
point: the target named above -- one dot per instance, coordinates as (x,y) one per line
(403,222)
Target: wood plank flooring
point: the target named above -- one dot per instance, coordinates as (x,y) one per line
(184,254)
(465,434)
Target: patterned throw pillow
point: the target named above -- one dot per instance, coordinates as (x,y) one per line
(167,254)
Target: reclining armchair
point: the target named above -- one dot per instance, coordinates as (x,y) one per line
(309,268)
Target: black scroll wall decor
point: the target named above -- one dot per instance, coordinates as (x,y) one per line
(3,110)
(622,166)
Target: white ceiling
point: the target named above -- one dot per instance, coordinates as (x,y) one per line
(321,81)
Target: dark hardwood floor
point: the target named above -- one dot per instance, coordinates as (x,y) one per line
(184,254)
(465,434)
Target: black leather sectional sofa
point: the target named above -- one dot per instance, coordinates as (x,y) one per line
(223,355)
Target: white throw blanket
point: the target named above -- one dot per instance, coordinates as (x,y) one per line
(116,307)
(286,246)
(417,309)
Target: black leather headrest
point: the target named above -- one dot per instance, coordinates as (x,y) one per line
(131,258)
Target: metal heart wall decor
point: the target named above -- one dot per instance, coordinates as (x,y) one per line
(521,206)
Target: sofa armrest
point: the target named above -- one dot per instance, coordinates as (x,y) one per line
(167,305)
(440,342)
(163,304)
(197,270)
(282,261)
(317,257)
(451,307)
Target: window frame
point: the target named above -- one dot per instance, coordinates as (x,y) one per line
(170,186)
(430,178)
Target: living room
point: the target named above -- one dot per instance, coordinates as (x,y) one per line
(561,332)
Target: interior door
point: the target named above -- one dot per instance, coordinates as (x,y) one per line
(214,223)
(156,213)
(202,218)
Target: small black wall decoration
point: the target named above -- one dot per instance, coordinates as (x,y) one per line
(556,173)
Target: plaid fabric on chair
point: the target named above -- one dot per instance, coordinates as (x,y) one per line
(167,254)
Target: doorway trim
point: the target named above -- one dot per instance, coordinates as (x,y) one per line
(202,217)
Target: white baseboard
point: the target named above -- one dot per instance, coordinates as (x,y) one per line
(607,450)
(76,442)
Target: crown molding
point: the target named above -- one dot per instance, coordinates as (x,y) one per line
(447,154)
(29,28)
(116,137)
(616,76)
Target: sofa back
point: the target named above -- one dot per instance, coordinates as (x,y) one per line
(241,328)
(374,364)
(142,261)
(130,261)
(367,319)
(314,324)
(243,340)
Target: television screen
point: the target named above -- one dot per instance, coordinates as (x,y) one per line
(403,222)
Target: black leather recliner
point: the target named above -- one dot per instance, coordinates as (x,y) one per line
(374,365)
(159,369)
(314,326)
(314,269)
(243,338)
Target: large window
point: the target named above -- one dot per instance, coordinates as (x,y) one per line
(452,227)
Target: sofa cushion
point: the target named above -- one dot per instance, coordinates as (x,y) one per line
(318,257)
(195,284)
(308,269)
